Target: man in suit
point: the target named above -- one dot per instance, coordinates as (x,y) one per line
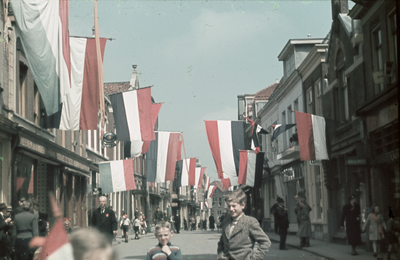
(177,222)
(5,241)
(26,224)
(104,220)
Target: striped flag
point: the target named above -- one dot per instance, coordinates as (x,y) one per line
(133,117)
(188,175)
(80,108)
(57,245)
(311,133)
(279,129)
(211,191)
(117,176)
(207,185)
(162,157)
(257,129)
(155,109)
(204,205)
(251,168)
(43,29)
(226,138)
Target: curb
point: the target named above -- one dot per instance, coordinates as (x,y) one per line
(305,249)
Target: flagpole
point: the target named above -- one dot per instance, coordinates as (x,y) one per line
(100,69)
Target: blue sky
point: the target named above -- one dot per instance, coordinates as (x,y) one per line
(199,55)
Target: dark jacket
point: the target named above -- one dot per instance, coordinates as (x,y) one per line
(305,223)
(157,216)
(282,218)
(352,215)
(5,240)
(106,222)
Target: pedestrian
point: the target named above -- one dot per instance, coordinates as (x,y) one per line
(193,219)
(297,210)
(177,222)
(144,225)
(6,225)
(67,225)
(241,232)
(283,223)
(259,216)
(352,214)
(304,230)
(91,245)
(125,225)
(20,207)
(393,232)
(137,214)
(276,216)
(12,231)
(185,224)
(375,224)
(104,220)
(120,225)
(164,249)
(136,226)
(211,220)
(26,224)
(157,216)
(171,220)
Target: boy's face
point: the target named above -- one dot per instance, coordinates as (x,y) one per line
(235,209)
(164,235)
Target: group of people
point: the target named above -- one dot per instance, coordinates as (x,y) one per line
(302,211)
(379,231)
(18,227)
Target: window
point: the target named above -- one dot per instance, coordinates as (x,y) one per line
(318,98)
(310,100)
(345,98)
(284,133)
(392,26)
(377,56)
(289,121)
(289,65)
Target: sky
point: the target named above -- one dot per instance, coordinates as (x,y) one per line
(198,55)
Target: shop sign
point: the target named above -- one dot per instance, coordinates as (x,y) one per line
(315,162)
(356,161)
(31,145)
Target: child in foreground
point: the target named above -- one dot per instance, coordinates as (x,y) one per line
(240,232)
(164,249)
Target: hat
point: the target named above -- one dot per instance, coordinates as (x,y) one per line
(280,200)
(2,206)
(352,196)
(9,209)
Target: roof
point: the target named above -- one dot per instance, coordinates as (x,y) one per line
(265,93)
(115,87)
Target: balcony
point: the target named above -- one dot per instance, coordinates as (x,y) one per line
(290,154)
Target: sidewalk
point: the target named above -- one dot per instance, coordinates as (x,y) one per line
(325,249)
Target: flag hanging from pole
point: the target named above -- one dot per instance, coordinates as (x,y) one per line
(117,176)
(42,26)
(162,157)
(279,129)
(79,110)
(155,109)
(311,133)
(188,175)
(250,170)
(257,129)
(133,117)
(226,138)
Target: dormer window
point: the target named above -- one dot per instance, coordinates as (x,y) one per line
(289,65)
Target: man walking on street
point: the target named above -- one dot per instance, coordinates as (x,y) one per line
(104,220)
(283,223)
(177,222)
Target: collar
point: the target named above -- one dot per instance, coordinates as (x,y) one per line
(238,217)
(160,245)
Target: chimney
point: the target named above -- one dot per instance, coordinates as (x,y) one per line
(134,83)
(339,7)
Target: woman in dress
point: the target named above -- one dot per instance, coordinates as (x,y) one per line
(304,231)
(375,226)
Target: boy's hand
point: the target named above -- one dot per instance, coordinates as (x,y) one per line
(166,249)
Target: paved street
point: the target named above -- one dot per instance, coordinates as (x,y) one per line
(197,245)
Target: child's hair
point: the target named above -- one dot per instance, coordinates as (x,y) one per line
(237,196)
(163,224)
